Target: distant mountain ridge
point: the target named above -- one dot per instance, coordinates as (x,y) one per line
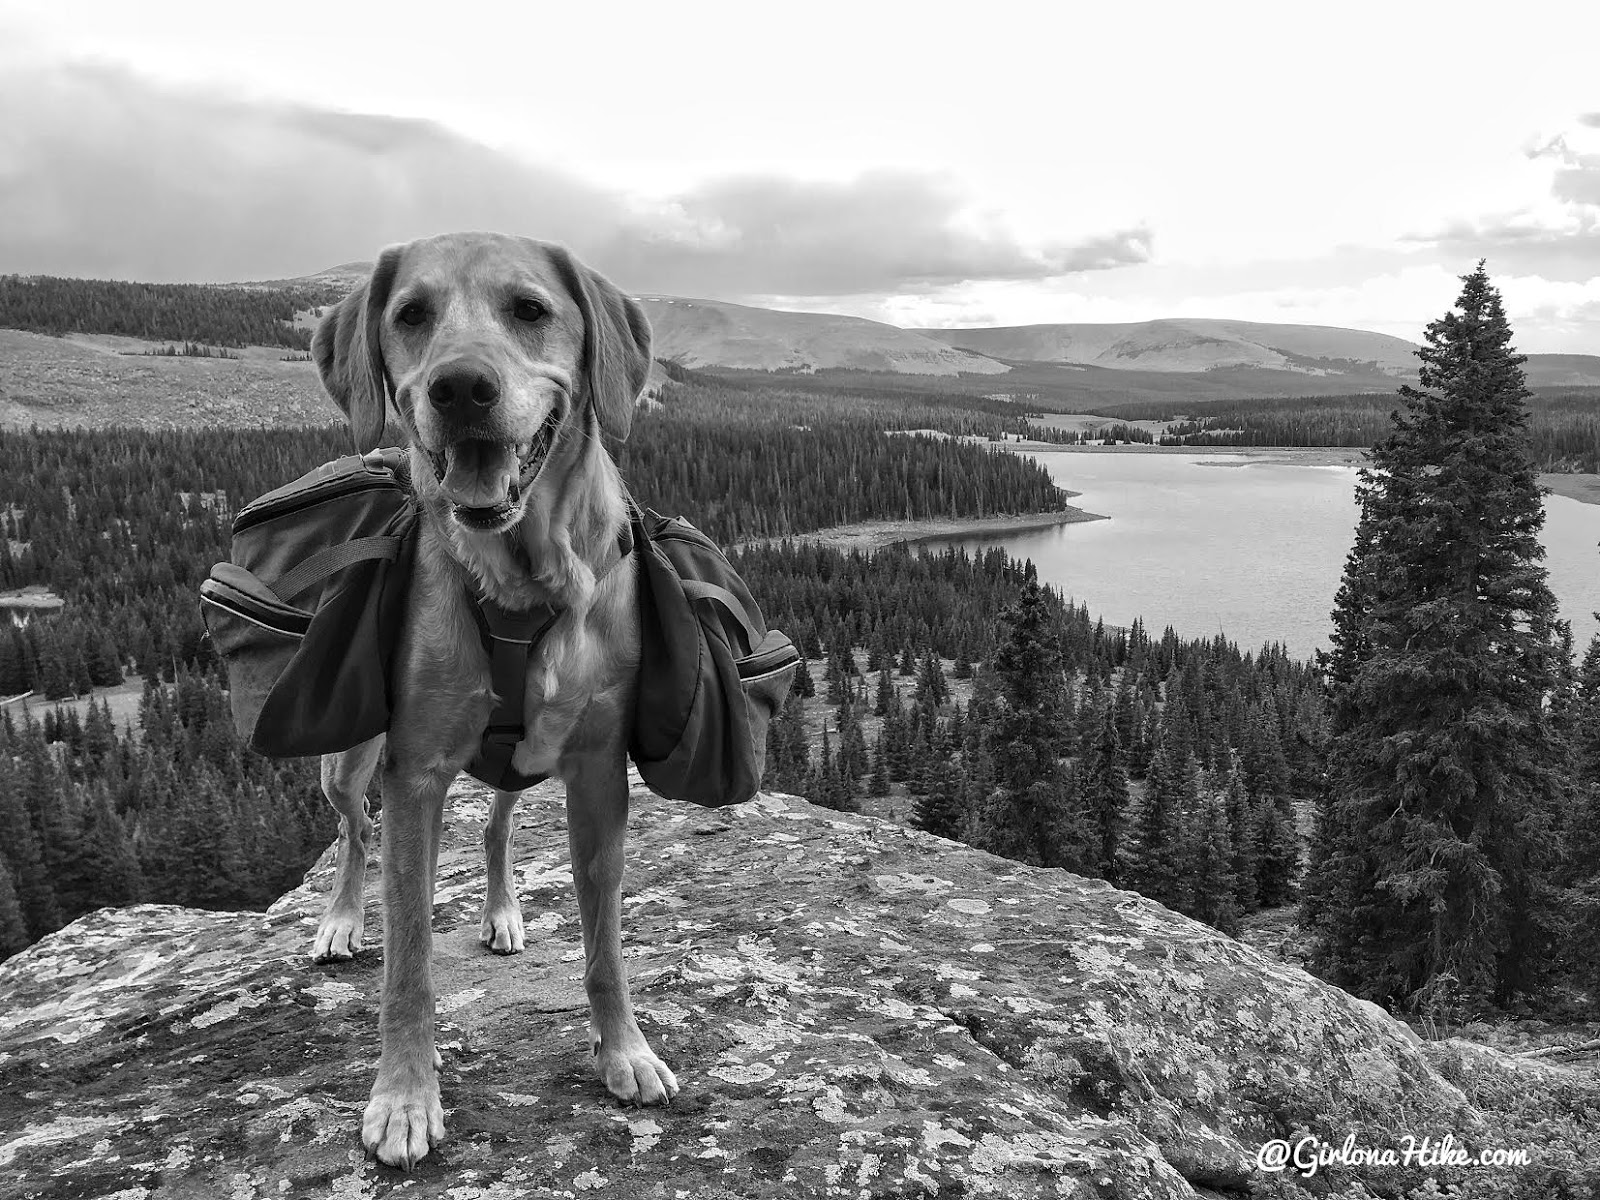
(1191,344)
(1326,359)
(712,333)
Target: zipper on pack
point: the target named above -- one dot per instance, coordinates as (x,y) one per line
(240,605)
(768,662)
(251,516)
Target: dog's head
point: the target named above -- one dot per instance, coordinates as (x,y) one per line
(494,351)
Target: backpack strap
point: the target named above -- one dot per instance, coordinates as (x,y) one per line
(699,589)
(510,637)
(316,567)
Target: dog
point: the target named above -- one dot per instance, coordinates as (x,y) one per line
(507,365)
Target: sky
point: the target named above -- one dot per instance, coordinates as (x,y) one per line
(924,164)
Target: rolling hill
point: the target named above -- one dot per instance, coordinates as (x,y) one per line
(711,333)
(1193,345)
(1213,358)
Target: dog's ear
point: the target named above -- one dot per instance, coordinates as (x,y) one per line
(616,344)
(348,350)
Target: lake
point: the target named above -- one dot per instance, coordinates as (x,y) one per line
(1253,549)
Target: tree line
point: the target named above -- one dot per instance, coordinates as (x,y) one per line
(178,811)
(1163,765)
(125,524)
(159,312)
(1562,433)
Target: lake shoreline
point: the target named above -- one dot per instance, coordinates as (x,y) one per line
(1574,485)
(875,535)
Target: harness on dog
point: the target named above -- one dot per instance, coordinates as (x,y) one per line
(307,617)
(511,637)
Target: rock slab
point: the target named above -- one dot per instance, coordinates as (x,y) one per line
(853,1009)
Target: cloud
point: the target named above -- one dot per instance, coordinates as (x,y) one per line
(105,173)
(1565,248)
(1557,238)
(884,231)
(1580,183)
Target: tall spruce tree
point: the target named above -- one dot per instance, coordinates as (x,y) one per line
(1581,832)
(1026,815)
(932,690)
(1156,849)
(804,686)
(1105,795)
(13,929)
(1277,850)
(940,809)
(1244,835)
(1210,884)
(1436,850)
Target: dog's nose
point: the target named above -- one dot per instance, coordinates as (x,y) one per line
(463,385)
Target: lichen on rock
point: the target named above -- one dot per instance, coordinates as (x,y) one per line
(853,1009)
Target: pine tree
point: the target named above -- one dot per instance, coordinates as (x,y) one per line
(822,788)
(1581,826)
(1025,817)
(804,686)
(852,758)
(833,678)
(940,810)
(105,668)
(885,694)
(1446,793)
(921,758)
(1104,796)
(1243,835)
(1277,850)
(1208,865)
(1156,850)
(13,929)
(896,744)
(932,690)
(1266,769)
(13,666)
(55,680)
(20,850)
(878,784)
(109,864)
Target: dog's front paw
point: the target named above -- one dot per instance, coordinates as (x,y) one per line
(631,1070)
(401,1124)
(501,929)
(338,937)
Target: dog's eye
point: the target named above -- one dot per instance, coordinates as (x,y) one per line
(412,314)
(527,310)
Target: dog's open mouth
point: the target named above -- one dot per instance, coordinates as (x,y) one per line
(486,480)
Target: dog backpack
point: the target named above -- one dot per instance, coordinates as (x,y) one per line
(711,674)
(307,613)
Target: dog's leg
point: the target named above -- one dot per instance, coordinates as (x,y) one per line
(597,821)
(501,929)
(404,1117)
(344,782)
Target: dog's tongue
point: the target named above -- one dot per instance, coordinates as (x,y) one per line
(478,474)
